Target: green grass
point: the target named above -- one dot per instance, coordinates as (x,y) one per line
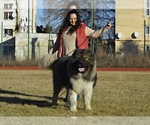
(28,93)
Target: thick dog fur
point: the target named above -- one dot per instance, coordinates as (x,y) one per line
(47,60)
(77,73)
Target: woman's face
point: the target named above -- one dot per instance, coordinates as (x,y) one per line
(73,19)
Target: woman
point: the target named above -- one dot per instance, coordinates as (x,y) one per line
(74,34)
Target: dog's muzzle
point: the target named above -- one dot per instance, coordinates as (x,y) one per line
(82,66)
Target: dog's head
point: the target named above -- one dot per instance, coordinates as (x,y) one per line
(83,60)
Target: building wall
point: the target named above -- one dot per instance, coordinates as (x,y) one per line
(18,22)
(130,19)
(20,15)
(10,23)
(38,45)
(22,9)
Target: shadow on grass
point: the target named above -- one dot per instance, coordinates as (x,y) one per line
(19,100)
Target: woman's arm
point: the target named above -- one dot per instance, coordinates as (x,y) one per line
(95,34)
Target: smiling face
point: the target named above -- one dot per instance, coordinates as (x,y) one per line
(73,19)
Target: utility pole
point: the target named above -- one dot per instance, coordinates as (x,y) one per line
(1,40)
(28,31)
(92,13)
(92,46)
(144,36)
(49,40)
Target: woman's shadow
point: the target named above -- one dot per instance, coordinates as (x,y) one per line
(21,98)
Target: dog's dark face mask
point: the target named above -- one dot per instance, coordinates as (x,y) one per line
(83,60)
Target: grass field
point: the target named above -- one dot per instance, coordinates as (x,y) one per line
(29,92)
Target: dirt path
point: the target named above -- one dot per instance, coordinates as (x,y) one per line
(98,69)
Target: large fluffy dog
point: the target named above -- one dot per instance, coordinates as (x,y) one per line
(77,73)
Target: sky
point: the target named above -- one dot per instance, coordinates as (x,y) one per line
(39,13)
(40,6)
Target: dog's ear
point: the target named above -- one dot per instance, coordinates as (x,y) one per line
(92,53)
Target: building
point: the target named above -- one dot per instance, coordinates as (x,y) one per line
(15,17)
(15,14)
(132,26)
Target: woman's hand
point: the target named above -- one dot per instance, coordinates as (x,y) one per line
(108,25)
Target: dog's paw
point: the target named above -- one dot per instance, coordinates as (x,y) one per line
(73,109)
(54,106)
(88,108)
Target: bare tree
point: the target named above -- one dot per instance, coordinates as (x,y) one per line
(95,13)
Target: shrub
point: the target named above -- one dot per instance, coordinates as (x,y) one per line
(127,61)
(19,63)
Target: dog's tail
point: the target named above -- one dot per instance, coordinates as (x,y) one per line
(47,60)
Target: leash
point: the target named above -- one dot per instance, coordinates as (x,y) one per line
(85,40)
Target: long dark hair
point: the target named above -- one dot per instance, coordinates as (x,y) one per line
(66,22)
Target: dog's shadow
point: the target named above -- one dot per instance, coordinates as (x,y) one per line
(21,98)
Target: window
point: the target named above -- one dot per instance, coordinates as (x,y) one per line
(9,52)
(8,32)
(147,7)
(147,30)
(8,15)
(8,6)
(8,11)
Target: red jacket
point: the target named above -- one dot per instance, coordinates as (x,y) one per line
(82,40)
